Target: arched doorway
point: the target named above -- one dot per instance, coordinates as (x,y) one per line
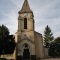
(26,53)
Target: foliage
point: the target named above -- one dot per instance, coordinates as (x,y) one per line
(57,40)
(48,36)
(9,45)
(7,42)
(4,32)
(54,49)
(2,58)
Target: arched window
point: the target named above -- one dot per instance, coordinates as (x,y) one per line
(25,23)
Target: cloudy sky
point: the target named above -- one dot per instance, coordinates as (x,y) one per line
(46,12)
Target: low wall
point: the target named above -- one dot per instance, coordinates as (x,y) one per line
(50,59)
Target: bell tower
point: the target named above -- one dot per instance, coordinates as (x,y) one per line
(25,35)
(26,18)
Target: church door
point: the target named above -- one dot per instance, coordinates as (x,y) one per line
(26,54)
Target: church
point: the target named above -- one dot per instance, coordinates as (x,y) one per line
(29,42)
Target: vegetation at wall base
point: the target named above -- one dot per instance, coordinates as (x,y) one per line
(2,58)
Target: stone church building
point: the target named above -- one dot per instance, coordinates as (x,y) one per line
(29,42)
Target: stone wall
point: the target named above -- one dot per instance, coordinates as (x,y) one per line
(50,59)
(9,56)
(39,45)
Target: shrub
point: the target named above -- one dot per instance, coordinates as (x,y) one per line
(2,58)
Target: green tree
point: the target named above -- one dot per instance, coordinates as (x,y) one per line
(54,49)
(4,32)
(7,42)
(48,36)
(57,40)
(57,43)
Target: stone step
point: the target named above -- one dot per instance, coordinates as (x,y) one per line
(26,59)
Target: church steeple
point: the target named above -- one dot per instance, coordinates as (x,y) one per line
(25,8)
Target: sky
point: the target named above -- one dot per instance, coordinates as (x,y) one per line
(46,12)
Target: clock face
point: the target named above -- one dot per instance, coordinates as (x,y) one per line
(25,14)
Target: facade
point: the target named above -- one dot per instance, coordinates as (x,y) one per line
(29,42)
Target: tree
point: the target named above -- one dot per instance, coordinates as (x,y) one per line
(54,49)
(4,32)
(57,40)
(7,42)
(48,36)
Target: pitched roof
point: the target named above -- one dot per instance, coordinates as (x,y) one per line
(25,8)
